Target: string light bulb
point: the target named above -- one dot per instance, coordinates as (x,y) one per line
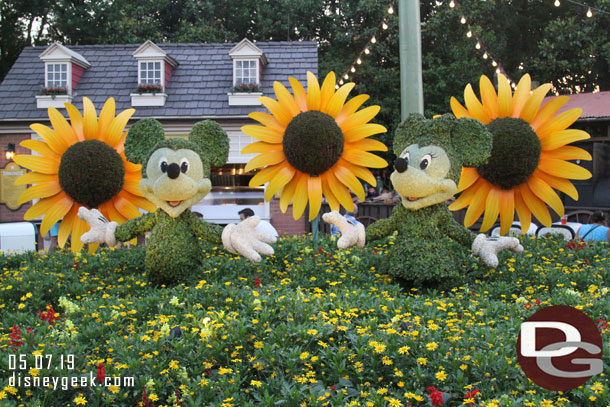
(478,45)
(391,10)
(373,40)
(469,33)
(463,20)
(494,63)
(589,13)
(485,55)
(346,76)
(353,69)
(557,3)
(367,51)
(358,61)
(384,26)
(336,86)
(452,4)
(341,82)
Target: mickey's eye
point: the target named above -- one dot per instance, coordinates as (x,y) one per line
(163,164)
(184,165)
(425,161)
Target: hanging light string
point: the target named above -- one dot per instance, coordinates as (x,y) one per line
(365,51)
(470,33)
(590,9)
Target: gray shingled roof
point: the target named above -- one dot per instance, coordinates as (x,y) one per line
(197,88)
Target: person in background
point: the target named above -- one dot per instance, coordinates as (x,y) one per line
(53,232)
(350,216)
(263,225)
(371,193)
(598,230)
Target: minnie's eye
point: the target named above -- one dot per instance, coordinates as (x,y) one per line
(184,165)
(425,161)
(164,166)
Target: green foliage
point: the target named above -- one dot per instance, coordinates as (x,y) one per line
(173,250)
(472,141)
(320,318)
(313,142)
(141,139)
(91,172)
(212,142)
(514,155)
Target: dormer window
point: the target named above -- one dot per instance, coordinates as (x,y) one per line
(248,63)
(154,71)
(63,69)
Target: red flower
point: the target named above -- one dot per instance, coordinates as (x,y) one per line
(333,388)
(527,306)
(472,394)
(320,249)
(537,302)
(101,373)
(48,316)
(15,336)
(257,282)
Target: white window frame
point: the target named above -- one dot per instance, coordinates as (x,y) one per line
(146,61)
(257,68)
(68,75)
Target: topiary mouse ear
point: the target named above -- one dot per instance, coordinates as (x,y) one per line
(408,132)
(471,141)
(142,137)
(212,141)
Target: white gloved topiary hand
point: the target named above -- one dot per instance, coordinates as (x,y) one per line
(101,231)
(245,240)
(487,248)
(351,234)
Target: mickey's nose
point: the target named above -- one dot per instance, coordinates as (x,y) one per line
(401,164)
(173,170)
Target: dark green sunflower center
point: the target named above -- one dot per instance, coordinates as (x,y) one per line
(91,173)
(313,142)
(514,155)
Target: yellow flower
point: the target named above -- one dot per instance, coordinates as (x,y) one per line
(441,375)
(534,140)
(314,144)
(394,403)
(80,400)
(432,346)
(255,383)
(258,345)
(173,364)
(404,350)
(153,397)
(304,355)
(223,371)
(422,361)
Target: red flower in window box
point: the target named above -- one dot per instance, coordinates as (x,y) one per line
(149,88)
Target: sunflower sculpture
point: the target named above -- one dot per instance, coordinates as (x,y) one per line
(314,144)
(81,163)
(529,158)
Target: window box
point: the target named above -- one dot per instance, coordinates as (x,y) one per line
(148,99)
(57,101)
(244,98)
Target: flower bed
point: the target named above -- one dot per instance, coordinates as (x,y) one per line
(310,326)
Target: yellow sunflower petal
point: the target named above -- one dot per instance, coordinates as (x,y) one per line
(124,206)
(262,160)
(457,108)
(300,198)
(567,153)
(45,205)
(261,133)
(562,184)
(35,178)
(286,99)
(367,145)
(350,107)
(535,205)
(338,100)
(505,97)
(288,191)
(543,191)
(40,147)
(548,111)
(56,143)
(507,210)
(78,228)
(55,213)
(363,158)
(563,169)
(488,97)
(65,227)
(313,92)
(264,175)
(260,147)
(360,132)
(327,91)
(560,122)
(521,95)
(360,172)
(111,213)
(139,201)
(333,202)
(339,191)
(530,109)
(561,138)
(281,114)
(283,176)
(90,120)
(525,215)
(45,165)
(37,191)
(115,130)
(61,126)
(474,106)
(349,180)
(267,120)
(300,96)
(359,118)
(106,118)
(477,205)
(492,209)
(76,120)
(314,189)
(465,198)
(468,177)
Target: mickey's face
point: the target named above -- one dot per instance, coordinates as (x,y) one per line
(421,176)
(175,180)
